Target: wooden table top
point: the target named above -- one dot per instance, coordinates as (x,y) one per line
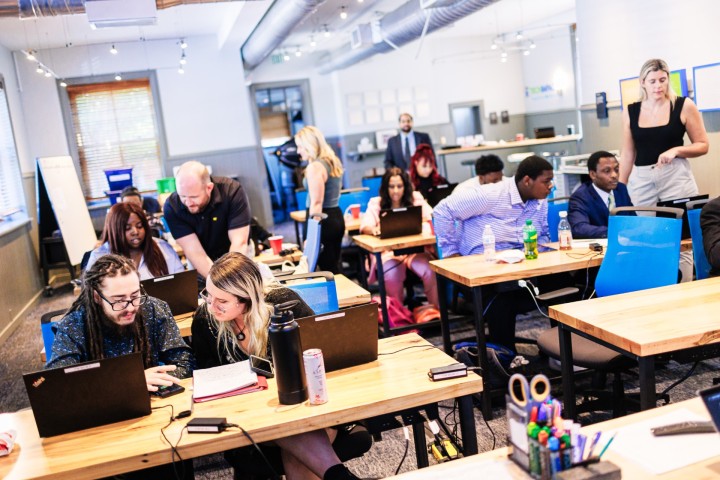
(375,244)
(530,142)
(269,258)
(397,380)
(649,322)
(351,224)
(496,462)
(349,294)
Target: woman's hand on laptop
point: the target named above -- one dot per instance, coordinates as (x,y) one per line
(156,376)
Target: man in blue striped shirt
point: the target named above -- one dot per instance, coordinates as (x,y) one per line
(460,220)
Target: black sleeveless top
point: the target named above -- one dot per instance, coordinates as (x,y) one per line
(651,142)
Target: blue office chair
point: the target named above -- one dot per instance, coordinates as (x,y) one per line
(643,252)
(48,328)
(702,265)
(316,289)
(301,198)
(373,185)
(312,240)
(353,196)
(555,206)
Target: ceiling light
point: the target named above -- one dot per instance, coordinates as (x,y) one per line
(493,46)
(30,55)
(183,43)
(48,74)
(183,60)
(181,70)
(313,43)
(118,77)
(503,54)
(298,53)
(532,44)
(39,70)
(518,36)
(343,13)
(113,50)
(286,57)
(360,1)
(526,52)
(63,84)
(326,32)
(503,59)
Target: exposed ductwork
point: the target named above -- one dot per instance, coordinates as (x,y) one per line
(50,8)
(275,26)
(404,25)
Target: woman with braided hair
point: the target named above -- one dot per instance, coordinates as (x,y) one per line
(113,316)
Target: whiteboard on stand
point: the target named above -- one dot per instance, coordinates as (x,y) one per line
(68,203)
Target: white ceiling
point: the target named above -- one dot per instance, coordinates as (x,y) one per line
(232,23)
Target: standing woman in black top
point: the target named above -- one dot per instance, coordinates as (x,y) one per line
(654,161)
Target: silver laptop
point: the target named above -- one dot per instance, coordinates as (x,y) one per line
(87,395)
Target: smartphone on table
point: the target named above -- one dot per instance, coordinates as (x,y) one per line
(261,366)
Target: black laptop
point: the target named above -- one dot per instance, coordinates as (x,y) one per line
(179,290)
(544,132)
(438,193)
(346,337)
(681,203)
(399,222)
(87,395)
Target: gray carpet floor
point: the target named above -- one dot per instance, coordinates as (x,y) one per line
(20,353)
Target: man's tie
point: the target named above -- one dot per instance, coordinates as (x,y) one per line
(611,201)
(406,153)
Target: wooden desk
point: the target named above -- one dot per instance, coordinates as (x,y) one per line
(300,216)
(396,381)
(349,294)
(269,258)
(496,462)
(642,325)
(377,246)
(474,272)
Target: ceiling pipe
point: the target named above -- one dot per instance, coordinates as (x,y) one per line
(51,8)
(274,28)
(403,26)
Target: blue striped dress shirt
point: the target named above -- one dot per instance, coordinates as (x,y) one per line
(460,219)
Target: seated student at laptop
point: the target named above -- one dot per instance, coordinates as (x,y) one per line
(233,324)
(488,168)
(112,317)
(590,205)
(423,170)
(396,191)
(126,233)
(460,221)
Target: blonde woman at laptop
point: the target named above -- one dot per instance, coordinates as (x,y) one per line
(231,326)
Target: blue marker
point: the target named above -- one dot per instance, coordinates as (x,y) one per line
(555,461)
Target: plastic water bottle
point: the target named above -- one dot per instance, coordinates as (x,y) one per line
(284,335)
(488,240)
(564,233)
(530,240)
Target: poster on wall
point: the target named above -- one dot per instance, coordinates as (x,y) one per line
(630,87)
(382,137)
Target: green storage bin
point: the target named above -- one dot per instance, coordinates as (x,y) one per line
(165,185)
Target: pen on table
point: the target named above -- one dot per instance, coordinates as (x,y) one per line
(607,445)
(594,442)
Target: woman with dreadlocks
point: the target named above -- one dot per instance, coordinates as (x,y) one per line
(113,316)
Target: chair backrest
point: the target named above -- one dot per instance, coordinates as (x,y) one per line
(356,195)
(316,289)
(373,185)
(312,240)
(301,198)
(702,265)
(48,327)
(555,206)
(642,252)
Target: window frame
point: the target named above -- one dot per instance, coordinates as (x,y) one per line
(19,217)
(66,108)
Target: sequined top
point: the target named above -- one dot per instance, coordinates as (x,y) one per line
(166,345)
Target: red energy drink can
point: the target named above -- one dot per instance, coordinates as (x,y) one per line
(315,373)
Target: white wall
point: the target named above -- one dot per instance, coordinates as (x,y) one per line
(550,63)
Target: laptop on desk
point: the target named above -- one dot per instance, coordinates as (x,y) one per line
(179,290)
(400,222)
(346,337)
(681,203)
(439,193)
(86,395)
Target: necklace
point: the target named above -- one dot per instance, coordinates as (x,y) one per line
(241,334)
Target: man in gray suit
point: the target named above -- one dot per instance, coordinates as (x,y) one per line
(401,148)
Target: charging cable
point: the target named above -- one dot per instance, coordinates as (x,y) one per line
(406,432)
(526,284)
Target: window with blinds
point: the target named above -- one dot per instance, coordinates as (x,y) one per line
(11,191)
(115,127)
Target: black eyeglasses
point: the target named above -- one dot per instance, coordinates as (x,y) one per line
(121,305)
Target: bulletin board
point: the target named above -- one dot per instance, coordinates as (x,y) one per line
(706,82)
(630,87)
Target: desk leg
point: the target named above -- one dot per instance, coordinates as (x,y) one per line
(421,451)
(442,284)
(647,383)
(297,233)
(383,294)
(566,362)
(482,351)
(467,425)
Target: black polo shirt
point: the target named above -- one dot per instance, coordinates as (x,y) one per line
(228,209)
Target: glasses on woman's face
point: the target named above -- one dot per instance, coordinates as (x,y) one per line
(121,305)
(219,304)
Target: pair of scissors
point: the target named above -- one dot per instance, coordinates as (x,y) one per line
(522,393)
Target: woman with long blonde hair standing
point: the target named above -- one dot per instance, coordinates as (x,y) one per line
(323,181)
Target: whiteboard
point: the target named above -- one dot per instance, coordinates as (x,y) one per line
(706,82)
(68,203)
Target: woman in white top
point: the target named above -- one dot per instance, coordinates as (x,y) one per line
(396,191)
(126,233)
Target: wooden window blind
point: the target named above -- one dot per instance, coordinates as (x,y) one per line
(11,191)
(115,127)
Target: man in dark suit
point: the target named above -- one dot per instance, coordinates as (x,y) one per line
(401,148)
(590,205)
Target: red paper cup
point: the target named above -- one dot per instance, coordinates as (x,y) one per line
(276,243)
(355,211)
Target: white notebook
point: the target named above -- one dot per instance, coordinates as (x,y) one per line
(213,381)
